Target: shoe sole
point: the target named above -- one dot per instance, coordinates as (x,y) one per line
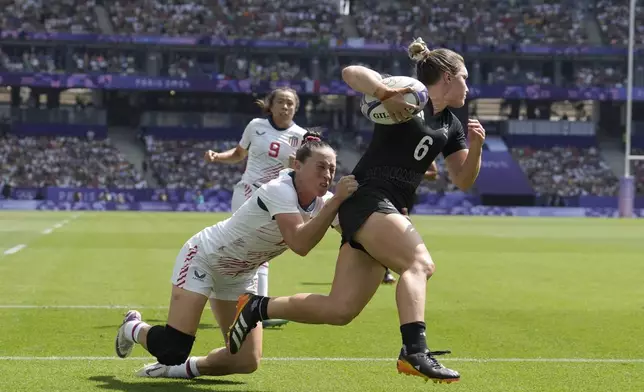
(408,370)
(119,353)
(242,301)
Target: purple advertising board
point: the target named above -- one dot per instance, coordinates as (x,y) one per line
(500,174)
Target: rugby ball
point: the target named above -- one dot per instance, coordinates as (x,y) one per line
(372,108)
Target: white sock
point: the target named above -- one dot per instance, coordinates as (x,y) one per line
(188,369)
(262,280)
(132,329)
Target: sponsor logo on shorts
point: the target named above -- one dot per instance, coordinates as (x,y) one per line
(199,275)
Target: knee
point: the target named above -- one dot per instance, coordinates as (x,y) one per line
(342,314)
(423,265)
(247,365)
(170,346)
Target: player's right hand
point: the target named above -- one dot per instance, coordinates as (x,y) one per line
(210,156)
(346,186)
(394,101)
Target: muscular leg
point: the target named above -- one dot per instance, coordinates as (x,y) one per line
(393,241)
(357,277)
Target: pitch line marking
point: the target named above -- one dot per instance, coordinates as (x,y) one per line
(341,359)
(19,306)
(15,249)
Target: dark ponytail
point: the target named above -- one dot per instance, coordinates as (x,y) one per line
(312,139)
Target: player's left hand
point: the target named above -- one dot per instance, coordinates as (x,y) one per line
(475,133)
(345,187)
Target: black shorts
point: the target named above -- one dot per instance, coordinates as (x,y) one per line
(355,211)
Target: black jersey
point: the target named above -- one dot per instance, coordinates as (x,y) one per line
(399,154)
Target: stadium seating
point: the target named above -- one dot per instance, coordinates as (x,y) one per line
(76,16)
(303,19)
(65,162)
(180,164)
(484,22)
(567,171)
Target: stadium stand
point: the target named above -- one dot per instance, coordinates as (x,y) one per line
(76,16)
(489,25)
(65,162)
(567,171)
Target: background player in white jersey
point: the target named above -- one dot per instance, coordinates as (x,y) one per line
(221,261)
(268,143)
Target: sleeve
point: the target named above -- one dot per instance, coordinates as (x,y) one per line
(336,220)
(455,139)
(247,135)
(279,199)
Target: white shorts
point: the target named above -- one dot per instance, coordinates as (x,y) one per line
(192,272)
(241,193)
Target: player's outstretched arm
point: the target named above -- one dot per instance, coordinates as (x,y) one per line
(233,155)
(302,236)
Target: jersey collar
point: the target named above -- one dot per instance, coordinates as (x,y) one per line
(270,120)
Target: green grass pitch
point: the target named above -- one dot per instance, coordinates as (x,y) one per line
(525,304)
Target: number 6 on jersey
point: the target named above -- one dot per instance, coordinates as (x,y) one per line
(423,147)
(274,150)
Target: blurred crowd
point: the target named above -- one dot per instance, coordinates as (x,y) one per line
(180,164)
(482,22)
(558,172)
(65,162)
(567,171)
(485,22)
(75,16)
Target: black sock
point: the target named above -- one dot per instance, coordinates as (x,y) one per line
(413,337)
(262,308)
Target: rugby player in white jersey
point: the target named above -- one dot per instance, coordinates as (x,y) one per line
(221,262)
(269,143)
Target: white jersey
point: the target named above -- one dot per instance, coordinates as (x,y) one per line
(251,237)
(269,149)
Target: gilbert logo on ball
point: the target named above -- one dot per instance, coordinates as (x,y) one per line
(372,108)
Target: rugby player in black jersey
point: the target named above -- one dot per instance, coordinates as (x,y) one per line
(374,232)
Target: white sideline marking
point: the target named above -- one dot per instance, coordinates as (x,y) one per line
(47,231)
(58,225)
(15,249)
(18,306)
(340,359)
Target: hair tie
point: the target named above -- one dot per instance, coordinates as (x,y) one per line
(312,139)
(419,57)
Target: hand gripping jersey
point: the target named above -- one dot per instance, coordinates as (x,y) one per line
(251,237)
(400,154)
(269,148)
